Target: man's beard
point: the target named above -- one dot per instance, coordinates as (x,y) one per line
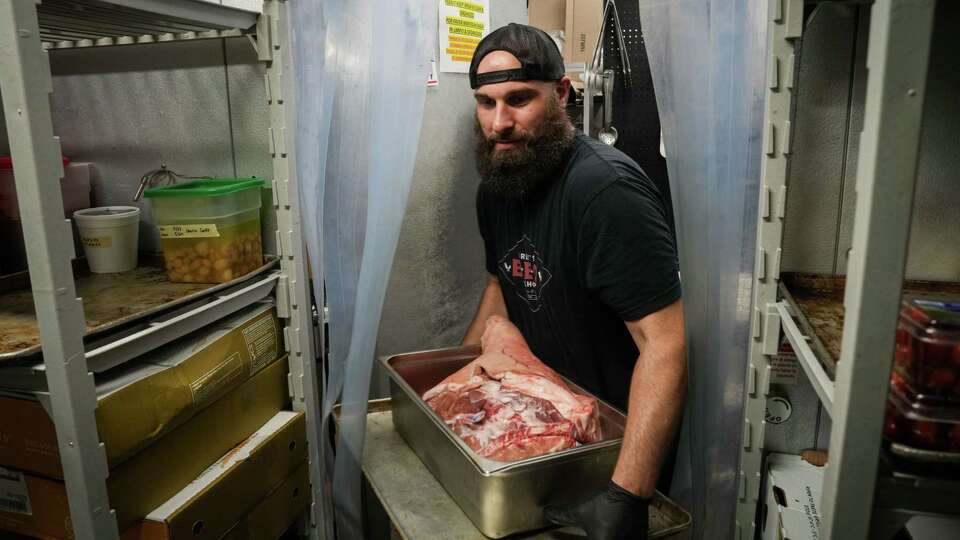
(517,172)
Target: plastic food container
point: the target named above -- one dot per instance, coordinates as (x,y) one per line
(209,229)
(905,425)
(927,354)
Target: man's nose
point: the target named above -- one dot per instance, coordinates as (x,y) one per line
(502,119)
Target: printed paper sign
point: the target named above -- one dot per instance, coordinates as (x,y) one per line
(463,23)
(784,369)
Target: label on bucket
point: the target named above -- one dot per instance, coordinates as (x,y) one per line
(200,230)
(97,241)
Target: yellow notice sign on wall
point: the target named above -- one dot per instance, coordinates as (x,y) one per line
(463,23)
(199,230)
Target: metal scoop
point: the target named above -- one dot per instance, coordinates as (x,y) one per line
(608,133)
(162,176)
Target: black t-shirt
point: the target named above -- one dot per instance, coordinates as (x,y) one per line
(590,251)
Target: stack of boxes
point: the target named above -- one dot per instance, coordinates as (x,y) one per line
(181,426)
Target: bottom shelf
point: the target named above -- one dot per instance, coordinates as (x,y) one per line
(908,487)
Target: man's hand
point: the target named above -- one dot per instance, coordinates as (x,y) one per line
(612,514)
(491,303)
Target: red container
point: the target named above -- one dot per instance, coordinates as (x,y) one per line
(927,354)
(904,425)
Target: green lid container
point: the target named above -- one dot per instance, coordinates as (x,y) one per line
(219,201)
(214,187)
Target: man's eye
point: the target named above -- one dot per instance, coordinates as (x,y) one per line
(485,102)
(517,101)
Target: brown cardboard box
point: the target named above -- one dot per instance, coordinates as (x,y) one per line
(33,505)
(230,488)
(583,21)
(152,476)
(140,402)
(277,512)
(547,15)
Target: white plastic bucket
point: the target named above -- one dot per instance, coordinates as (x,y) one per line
(109,235)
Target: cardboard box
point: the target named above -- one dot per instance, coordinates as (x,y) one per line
(277,512)
(146,480)
(582,28)
(791,506)
(23,498)
(141,401)
(547,15)
(232,487)
(74,188)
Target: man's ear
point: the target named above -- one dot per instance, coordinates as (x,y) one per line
(563,90)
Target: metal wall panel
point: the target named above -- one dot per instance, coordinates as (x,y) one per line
(799,432)
(127,108)
(933,253)
(816,175)
(249,118)
(855,123)
(819,226)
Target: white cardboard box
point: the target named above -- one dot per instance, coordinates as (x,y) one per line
(792,499)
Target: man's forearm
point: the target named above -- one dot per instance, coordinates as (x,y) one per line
(657,390)
(491,303)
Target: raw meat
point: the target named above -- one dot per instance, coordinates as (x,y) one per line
(507,405)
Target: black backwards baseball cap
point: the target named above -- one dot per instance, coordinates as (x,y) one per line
(538,54)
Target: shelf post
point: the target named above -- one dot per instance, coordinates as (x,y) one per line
(26,84)
(274,51)
(784,26)
(897,55)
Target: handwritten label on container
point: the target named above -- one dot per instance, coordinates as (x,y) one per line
(98,242)
(199,230)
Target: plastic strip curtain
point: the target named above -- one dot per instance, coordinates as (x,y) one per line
(707,61)
(362,68)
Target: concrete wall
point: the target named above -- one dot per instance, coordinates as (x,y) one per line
(438,269)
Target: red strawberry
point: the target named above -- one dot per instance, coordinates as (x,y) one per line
(925,434)
(941,379)
(890,427)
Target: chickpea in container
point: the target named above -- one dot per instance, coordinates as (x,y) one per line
(209,229)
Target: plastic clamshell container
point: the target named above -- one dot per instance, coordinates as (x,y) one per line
(927,353)
(209,229)
(903,424)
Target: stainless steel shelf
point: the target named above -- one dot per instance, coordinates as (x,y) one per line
(66,24)
(811,365)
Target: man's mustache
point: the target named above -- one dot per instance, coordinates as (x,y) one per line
(501,139)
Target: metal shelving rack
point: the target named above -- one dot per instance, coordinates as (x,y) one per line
(858,501)
(28,29)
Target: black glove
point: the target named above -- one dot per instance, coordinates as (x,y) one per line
(612,514)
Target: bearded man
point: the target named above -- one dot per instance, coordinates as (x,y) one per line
(581,258)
